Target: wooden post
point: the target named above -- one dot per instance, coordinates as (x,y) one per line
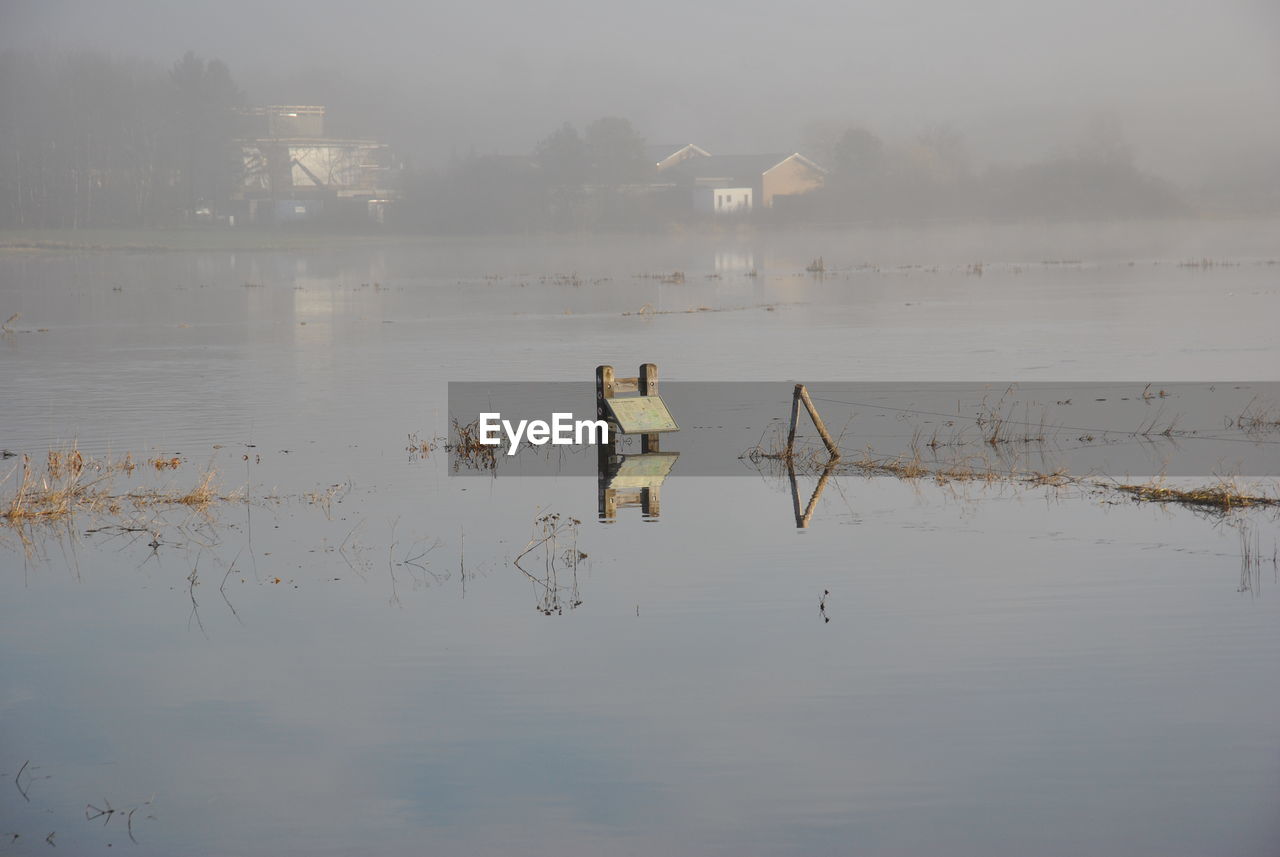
(609,457)
(795,492)
(817,494)
(795,417)
(802,395)
(650,505)
(803,518)
(604,390)
(649,387)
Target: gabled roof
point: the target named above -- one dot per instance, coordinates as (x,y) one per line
(799,158)
(736,168)
(663,156)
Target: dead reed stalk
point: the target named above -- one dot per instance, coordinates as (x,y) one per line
(467,448)
(72,483)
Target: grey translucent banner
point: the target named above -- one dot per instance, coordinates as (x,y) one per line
(1117,429)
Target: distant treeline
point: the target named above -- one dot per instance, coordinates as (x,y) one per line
(89,140)
(932,177)
(572,180)
(599,179)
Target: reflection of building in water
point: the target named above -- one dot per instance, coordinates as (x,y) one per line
(292,172)
(734,262)
(315,308)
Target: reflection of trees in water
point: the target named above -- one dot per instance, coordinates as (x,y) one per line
(555,540)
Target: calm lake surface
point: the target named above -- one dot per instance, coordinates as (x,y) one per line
(346,658)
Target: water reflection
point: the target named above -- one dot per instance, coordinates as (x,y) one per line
(361,653)
(1253,558)
(554,546)
(733,261)
(633,480)
(804,517)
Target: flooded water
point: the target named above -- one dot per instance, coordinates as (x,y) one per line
(345,657)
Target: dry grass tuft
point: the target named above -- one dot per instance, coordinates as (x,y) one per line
(1225,496)
(58,491)
(72,483)
(199,497)
(1258,417)
(422,447)
(68,463)
(901,467)
(467,448)
(1056,479)
(325,499)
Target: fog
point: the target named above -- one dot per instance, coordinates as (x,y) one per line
(952,527)
(1190,89)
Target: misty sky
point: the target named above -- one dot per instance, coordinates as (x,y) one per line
(1194,83)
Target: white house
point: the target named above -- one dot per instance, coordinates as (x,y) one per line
(722,200)
(763,177)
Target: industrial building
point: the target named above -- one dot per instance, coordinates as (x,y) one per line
(291,172)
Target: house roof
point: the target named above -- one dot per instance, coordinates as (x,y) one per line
(658,154)
(736,168)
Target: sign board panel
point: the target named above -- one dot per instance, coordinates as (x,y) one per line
(641,415)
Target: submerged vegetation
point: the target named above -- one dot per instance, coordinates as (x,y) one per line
(961,459)
(1224,496)
(555,541)
(1258,417)
(467,450)
(71,483)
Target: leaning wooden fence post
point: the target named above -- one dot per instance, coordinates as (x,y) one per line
(802,395)
(795,495)
(802,521)
(795,417)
